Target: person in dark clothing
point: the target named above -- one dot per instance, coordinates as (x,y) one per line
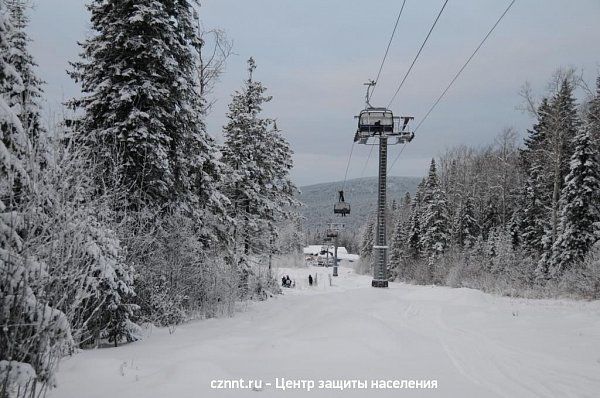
(310,280)
(283,281)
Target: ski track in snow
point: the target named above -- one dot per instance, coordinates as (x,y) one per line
(474,344)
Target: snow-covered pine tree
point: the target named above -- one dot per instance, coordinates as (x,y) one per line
(593,114)
(141,107)
(281,192)
(434,220)
(398,251)
(33,334)
(260,160)
(563,125)
(535,197)
(414,248)
(399,239)
(278,186)
(466,229)
(109,312)
(490,248)
(368,238)
(28,97)
(580,211)
(515,224)
(534,219)
(490,216)
(406,201)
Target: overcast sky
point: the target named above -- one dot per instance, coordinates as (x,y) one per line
(314,56)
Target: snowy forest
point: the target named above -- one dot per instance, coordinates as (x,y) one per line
(519,220)
(126,211)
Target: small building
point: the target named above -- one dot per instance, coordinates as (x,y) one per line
(313,252)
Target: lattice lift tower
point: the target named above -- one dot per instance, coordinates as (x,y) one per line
(379,126)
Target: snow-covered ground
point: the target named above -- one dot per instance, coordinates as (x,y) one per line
(473,344)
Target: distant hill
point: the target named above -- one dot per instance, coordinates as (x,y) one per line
(361,193)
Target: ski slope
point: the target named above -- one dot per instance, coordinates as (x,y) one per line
(473,344)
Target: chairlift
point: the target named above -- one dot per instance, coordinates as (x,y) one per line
(374,122)
(341,207)
(401,131)
(331,233)
(381,122)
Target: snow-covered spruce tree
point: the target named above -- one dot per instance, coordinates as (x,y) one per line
(536,195)
(141,107)
(398,256)
(414,230)
(279,187)
(434,221)
(534,220)
(593,114)
(403,209)
(580,206)
(515,224)
(259,187)
(466,229)
(33,334)
(142,124)
(563,125)
(368,237)
(27,99)
(490,217)
(111,311)
(398,251)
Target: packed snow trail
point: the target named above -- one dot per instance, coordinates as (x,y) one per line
(473,344)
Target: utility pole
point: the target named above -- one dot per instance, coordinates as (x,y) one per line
(381,124)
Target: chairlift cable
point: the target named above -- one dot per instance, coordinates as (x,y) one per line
(418,54)
(362,174)
(397,157)
(437,101)
(367,162)
(348,166)
(373,85)
(376,80)
(388,46)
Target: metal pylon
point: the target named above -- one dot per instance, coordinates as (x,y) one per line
(335,257)
(380,124)
(380,275)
